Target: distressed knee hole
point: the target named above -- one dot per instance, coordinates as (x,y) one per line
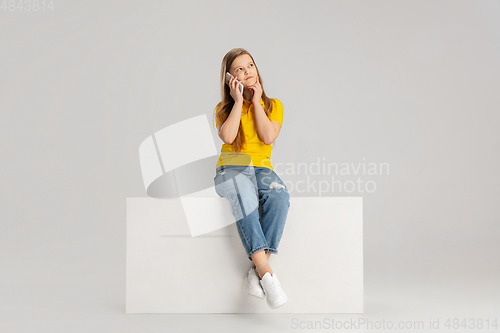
(276,185)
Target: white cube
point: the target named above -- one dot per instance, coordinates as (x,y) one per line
(319,264)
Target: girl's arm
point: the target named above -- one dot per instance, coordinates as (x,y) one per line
(229,130)
(268,129)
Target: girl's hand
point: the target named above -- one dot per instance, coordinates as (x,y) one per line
(235,90)
(257,92)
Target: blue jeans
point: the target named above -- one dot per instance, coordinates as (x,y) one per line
(246,188)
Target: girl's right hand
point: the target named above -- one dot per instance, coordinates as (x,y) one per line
(235,90)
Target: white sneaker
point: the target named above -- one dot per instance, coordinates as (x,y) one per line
(275,296)
(253,286)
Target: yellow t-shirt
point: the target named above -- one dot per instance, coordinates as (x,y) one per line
(255,152)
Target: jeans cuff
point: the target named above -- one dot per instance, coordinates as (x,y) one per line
(257,249)
(272,251)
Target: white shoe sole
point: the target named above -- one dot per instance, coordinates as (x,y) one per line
(254,291)
(279,302)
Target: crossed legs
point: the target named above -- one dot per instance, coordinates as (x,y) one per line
(246,191)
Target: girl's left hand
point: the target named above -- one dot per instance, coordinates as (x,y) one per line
(257,92)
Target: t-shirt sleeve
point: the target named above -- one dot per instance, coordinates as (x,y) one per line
(277,114)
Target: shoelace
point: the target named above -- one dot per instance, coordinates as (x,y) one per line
(274,284)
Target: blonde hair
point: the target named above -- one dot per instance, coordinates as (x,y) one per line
(223,109)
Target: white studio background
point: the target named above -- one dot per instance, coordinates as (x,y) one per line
(413,84)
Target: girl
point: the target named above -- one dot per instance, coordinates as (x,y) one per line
(248,124)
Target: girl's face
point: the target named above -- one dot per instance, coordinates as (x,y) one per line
(244,70)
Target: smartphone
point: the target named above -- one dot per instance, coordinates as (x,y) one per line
(228,77)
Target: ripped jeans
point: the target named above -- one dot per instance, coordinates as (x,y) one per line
(247,188)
